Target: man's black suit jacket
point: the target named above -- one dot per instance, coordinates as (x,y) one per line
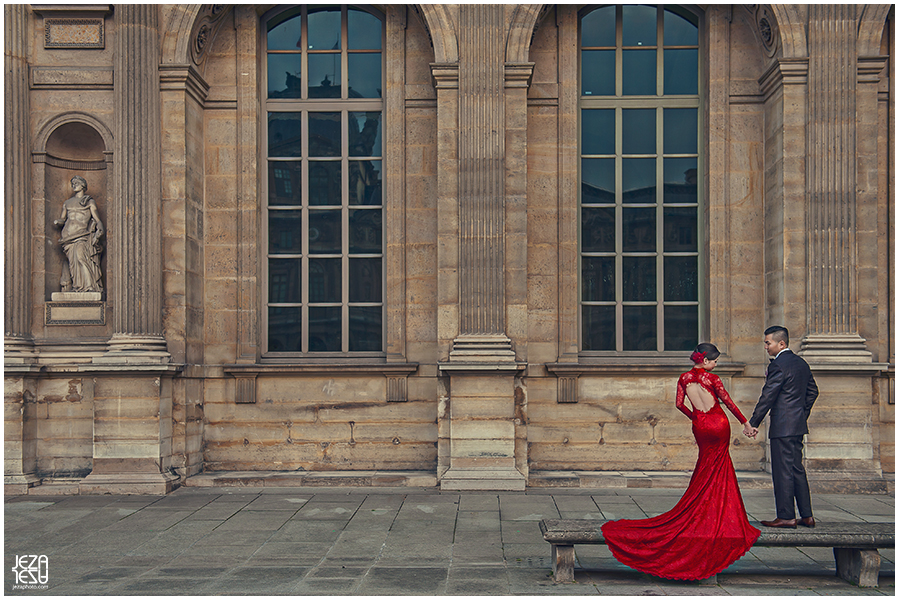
(789,394)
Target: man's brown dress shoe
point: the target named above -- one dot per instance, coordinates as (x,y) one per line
(809,522)
(780,523)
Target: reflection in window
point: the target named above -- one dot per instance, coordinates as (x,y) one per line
(639,194)
(325,229)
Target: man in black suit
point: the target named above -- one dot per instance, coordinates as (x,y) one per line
(788,395)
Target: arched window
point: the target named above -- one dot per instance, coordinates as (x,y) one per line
(639,170)
(324,107)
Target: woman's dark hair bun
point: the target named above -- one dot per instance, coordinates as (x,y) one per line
(708,350)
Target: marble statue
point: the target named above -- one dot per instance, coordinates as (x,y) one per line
(82,231)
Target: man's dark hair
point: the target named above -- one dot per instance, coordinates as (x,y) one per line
(779,333)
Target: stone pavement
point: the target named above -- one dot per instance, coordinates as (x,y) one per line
(379,541)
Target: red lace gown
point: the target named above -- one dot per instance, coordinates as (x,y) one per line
(707,530)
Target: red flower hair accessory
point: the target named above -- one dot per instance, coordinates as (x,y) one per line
(698,357)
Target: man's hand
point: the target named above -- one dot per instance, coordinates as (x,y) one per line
(750,431)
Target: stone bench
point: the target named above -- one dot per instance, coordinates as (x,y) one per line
(855,545)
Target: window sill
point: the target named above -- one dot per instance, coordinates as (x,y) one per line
(619,366)
(346,367)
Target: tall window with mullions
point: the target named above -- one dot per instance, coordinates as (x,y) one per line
(324,116)
(640,168)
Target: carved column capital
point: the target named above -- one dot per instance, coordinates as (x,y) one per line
(445,75)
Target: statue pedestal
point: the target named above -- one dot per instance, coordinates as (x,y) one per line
(75,309)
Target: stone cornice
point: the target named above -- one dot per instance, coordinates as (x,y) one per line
(869,68)
(184,77)
(518,75)
(783,72)
(445,75)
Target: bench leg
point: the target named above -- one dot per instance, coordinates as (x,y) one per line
(858,566)
(563,563)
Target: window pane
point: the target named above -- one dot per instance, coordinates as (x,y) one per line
(598,72)
(680,176)
(285,232)
(365,328)
(365,182)
(285,35)
(324,329)
(285,335)
(363,30)
(598,181)
(678,31)
(365,231)
(325,232)
(364,75)
(324,75)
(365,134)
(598,229)
(638,25)
(325,280)
(680,278)
(365,280)
(285,277)
(680,229)
(598,131)
(639,328)
(598,328)
(681,326)
(285,183)
(638,279)
(284,75)
(325,28)
(639,72)
(598,278)
(285,134)
(598,27)
(680,131)
(324,183)
(639,180)
(324,134)
(639,131)
(679,71)
(638,230)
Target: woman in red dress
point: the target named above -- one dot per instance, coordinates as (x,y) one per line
(707,530)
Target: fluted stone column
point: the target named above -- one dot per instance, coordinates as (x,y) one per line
(482,365)
(831,169)
(17,188)
(135,264)
(19,423)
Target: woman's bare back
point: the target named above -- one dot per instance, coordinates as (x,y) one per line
(699,397)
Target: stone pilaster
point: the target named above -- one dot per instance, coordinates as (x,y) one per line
(135,278)
(17,188)
(482,364)
(832,334)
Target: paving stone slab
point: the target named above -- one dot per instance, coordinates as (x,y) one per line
(326,586)
(404,581)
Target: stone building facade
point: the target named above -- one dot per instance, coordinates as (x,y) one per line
(459,245)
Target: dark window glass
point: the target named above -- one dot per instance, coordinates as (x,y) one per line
(598,131)
(284,71)
(680,71)
(365,182)
(680,278)
(598,278)
(364,75)
(324,75)
(324,280)
(365,231)
(679,30)
(365,328)
(325,183)
(638,279)
(325,332)
(680,131)
(285,135)
(639,230)
(285,183)
(598,27)
(325,232)
(681,327)
(365,280)
(680,178)
(285,276)
(598,181)
(325,29)
(598,72)
(639,131)
(638,181)
(639,328)
(285,232)
(638,25)
(598,327)
(639,72)
(680,229)
(363,31)
(324,134)
(284,33)
(598,229)
(365,134)
(285,334)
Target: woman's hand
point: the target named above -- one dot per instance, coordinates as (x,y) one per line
(750,431)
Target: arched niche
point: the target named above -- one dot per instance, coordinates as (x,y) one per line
(66,146)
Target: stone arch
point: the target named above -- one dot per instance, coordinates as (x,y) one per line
(46,130)
(442,30)
(792,20)
(871,29)
(189,32)
(521,31)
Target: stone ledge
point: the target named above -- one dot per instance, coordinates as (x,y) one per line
(275,479)
(325,368)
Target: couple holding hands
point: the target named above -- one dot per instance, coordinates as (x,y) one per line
(707,530)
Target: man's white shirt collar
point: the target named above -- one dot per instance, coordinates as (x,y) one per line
(781,351)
